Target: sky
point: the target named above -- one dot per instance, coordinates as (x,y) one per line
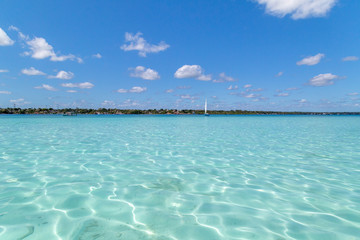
(280,55)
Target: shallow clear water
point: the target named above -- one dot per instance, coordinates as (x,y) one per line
(179,177)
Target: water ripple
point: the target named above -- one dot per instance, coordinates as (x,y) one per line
(167,177)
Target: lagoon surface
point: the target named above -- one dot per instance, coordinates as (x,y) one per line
(179,177)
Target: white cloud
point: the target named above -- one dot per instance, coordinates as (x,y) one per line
(78,85)
(12,27)
(279,74)
(298,9)
(255,90)
(98,55)
(312,60)
(204,77)
(122,90)
(353,94)
(129,103)
(231,87)
(302,101)
(144,73)
(71,91)
(251,95)
(137,89)
(5,92)
(19,101)
(32,71)
(4,39)
(138,43)
(192,71)
(107,103)
(350,58)
(247,86)
(224,78)
(46,87)
(3,70)
(282,95)
(63,75)
(132,90)
(40,49)
(21,35)
(189,97)
(321,80)
(189,71)
(169,90)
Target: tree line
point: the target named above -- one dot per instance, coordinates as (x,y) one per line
(114,111)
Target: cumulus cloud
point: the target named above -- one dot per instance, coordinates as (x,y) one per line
(311,60)
(192,71)
(98,55)
(298,9)
(255,90)
(302,100)
(122,90)
(78,85)
(224,78)
(71,91)
(46,87)
(129,103)
(40,49)
(32,71)
(204,77)
(3,70)
(189,71)
(144,73)
(12,27)
(247,86)
(21,35)
(188,97)
(132,90)
(138,43)
(251,95)
(108,103)
(137,89)
(279,74)
(350,58)
(282,95)
(321,80)
(63,75)
(19,101)
(5,92)
(5,40)
(231,87)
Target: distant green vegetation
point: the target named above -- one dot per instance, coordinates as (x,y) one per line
(157,111)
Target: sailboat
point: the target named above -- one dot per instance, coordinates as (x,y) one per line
(206,114)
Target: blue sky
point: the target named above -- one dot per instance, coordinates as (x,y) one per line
(301,55)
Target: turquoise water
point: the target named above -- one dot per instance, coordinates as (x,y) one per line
(179,177)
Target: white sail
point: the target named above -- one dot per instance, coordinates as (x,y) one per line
(205,105)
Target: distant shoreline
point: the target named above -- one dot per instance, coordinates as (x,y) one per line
(112,111)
